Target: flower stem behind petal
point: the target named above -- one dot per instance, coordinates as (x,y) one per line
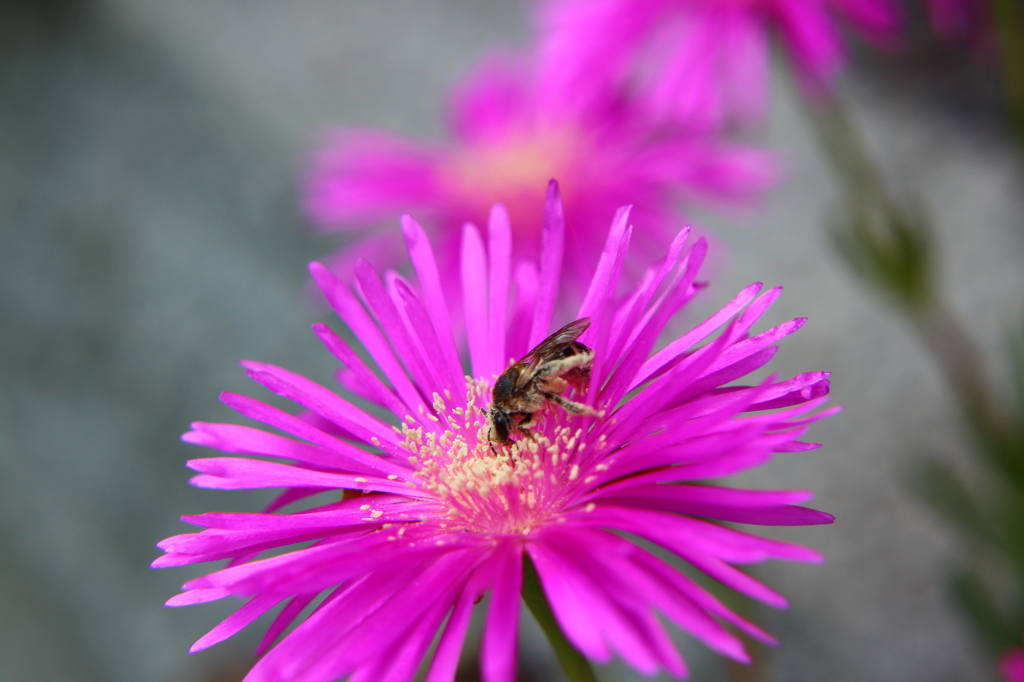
(1008,18)
(576,666)
(891,248)
(886,243)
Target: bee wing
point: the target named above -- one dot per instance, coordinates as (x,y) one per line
(563,336)
(551,345)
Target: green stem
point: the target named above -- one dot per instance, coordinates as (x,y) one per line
(576,666)
(1008,19)
(961,362)
(892,249)
(846,152)
(888,246)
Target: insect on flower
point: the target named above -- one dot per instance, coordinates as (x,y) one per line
(558,363)
(374,586)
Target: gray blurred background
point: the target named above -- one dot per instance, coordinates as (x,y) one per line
(149,239)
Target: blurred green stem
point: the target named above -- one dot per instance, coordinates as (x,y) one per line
(755,671)
(576,666)
(891,248)
(751,610)
(962,364)
(846,152)
(1008,19)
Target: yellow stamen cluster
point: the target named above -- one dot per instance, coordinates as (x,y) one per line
(489,487)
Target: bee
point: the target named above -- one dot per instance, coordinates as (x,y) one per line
(542,376)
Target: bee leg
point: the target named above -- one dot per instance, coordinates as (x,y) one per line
(490,432)
(552,386)
(490,444)
(526,426)
(578,378)
(490,441)
(562,365)
(494,451)
(572,406)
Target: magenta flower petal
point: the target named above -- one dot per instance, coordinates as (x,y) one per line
(421,369)
(725,504)
(621,572)
(699,596)
(474,270)
(415,515)
(357,377)
(349,309)
(499,257)
(198,596)
(1011,666)
(374,172)
(449,649)
(285,618)
(526,280)
(552,253)
(961,19)
(702,63)
(422,256)
(815,43)
(569,603)
(614,625)
(498,649)
(234,623)
(318,400)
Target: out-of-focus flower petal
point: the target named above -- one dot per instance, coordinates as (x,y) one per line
(701,63)
(510,134)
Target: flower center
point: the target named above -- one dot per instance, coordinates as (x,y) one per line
(514,170)
(489,487)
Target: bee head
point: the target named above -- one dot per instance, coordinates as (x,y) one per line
(501,425)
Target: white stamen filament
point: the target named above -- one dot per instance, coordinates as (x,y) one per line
(488,486)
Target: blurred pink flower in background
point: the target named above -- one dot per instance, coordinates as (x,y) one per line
(439,518)
(1011,665)
(956,18)
(509,139)
(966,21)
(701,62)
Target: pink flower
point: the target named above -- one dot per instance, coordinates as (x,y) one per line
(701,61)
(949,17)
(509,139)
(434,514)
(962,19)
(1011,665)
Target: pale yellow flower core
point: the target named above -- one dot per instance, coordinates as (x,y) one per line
(489,487)
(514,170)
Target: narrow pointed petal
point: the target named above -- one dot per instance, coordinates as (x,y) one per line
(474,292)
(356,317)
(449,649)
(498,649)
(551,251)
(422,256)
(499,256)
(231,625)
